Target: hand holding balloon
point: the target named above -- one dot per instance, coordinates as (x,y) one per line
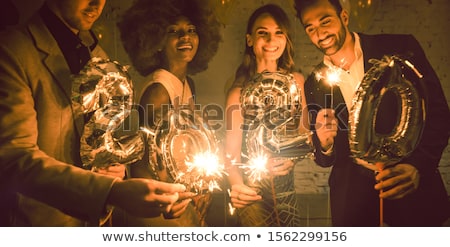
(397,181)
(280,166)
(392,83)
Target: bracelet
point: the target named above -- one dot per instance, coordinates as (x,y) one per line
(329,151)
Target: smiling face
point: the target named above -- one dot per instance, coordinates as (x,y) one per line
(79,15)
(181,41)
(267,38)
(326,29)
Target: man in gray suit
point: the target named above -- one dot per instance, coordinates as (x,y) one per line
(41,182)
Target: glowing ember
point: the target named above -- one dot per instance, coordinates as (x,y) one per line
(256,167)
(231,209)
(332,76)
(203,171)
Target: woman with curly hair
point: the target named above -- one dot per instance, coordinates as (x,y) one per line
(270,201)
(167,41)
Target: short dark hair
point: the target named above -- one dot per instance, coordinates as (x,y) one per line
(301,5)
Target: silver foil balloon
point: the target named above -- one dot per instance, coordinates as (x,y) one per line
(187,148)
(104,91)
(398,79)
(271,103)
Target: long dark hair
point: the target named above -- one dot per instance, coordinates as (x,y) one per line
(143,28)
(247,69)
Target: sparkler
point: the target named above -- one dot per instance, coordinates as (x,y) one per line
(332,76)
(256,167)
(231,209)
(203,171)
(199,171)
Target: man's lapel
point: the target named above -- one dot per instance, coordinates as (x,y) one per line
(56,64)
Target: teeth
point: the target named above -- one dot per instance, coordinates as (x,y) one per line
(271,49)
(184,47)
(326,41)
(91,15)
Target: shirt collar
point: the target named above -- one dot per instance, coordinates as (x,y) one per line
(75,52)
(62,34)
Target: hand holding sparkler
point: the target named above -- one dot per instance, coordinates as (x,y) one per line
(242,195)
(326,129)
(178,208)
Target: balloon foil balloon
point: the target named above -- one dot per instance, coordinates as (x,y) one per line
(271,103)
(187,148)
(388,112)
(104,92)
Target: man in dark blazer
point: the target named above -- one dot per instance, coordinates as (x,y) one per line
(412,190)
(41,182)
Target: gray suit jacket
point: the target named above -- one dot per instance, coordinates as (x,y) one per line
(41,183)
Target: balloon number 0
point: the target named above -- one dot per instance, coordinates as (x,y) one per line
(388,112)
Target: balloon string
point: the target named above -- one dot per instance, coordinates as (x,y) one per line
(380,167)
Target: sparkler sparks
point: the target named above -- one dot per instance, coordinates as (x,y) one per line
(199,171)
(203,171)
(332,76)
(256,167)
(231,209)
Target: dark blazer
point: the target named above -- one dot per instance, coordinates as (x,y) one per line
(354,201)
(39,136)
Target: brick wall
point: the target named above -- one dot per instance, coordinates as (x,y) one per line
(427,20)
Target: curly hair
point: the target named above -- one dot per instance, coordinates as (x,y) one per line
(247,68)
(143,29)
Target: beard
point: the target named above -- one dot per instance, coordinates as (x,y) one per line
(339,40)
